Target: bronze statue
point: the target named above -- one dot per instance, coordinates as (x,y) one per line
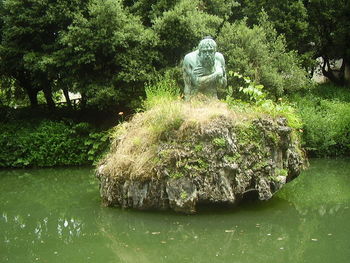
(204,70)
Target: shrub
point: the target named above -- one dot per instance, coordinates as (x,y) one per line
(326,125)
(181,28)
(163,90)
(258,101)
(49,143)
(330,91)
(260,54)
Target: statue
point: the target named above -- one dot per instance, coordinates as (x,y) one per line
(204,70)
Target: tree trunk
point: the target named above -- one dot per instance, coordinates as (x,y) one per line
(33,97)
(66,95)
(329,73)
(341,76)
(32,92)
(48,96)
(83,101)
(346,72)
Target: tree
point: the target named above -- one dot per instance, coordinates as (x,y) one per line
(149,10)
(12,50)
(106,52)
(330,28)
(221,8)
(29,38)
(181,28)
(289,17)
(260,53)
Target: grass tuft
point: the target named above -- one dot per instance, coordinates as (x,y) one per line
(137,143)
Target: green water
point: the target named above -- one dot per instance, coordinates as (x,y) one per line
(54,215)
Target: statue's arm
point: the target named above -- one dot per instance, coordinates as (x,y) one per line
(205,79)
(221,64)
(188,77)
(219,75)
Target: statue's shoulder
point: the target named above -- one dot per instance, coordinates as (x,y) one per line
(219,56)
(191,57)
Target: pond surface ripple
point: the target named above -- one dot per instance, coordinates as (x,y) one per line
(54,215)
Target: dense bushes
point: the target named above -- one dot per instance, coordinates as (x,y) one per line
(325,113)
(261,54)
(181,28)
(49,143)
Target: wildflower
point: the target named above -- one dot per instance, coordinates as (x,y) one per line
(121,113)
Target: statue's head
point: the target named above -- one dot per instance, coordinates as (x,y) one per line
(207,50)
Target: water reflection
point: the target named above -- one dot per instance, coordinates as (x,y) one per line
(245,235)
(65,229)
(55,216)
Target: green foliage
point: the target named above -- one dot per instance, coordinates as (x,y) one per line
(232,159)
(49,143)
(163,90)
(289,17)
(281,172)
(283,109)
(327,91)
(163,101)
(326,125)
(11,95)
(98,143)
(260,54)
(29,42)
(248,134)
(176,175)
(181,28)
(108,49)
(330,31)
(169,130)
(220,142)
(198,147)
(258,101)
(107,52)
(183,195)
(203,164)
(149,10)
(221,8)
(250,89)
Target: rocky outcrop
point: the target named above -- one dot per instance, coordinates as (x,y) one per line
(216,161)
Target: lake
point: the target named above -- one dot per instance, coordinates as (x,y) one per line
(55,215)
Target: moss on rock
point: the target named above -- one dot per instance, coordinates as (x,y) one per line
(178,154)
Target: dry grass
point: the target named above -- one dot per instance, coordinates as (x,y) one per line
(134,152)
